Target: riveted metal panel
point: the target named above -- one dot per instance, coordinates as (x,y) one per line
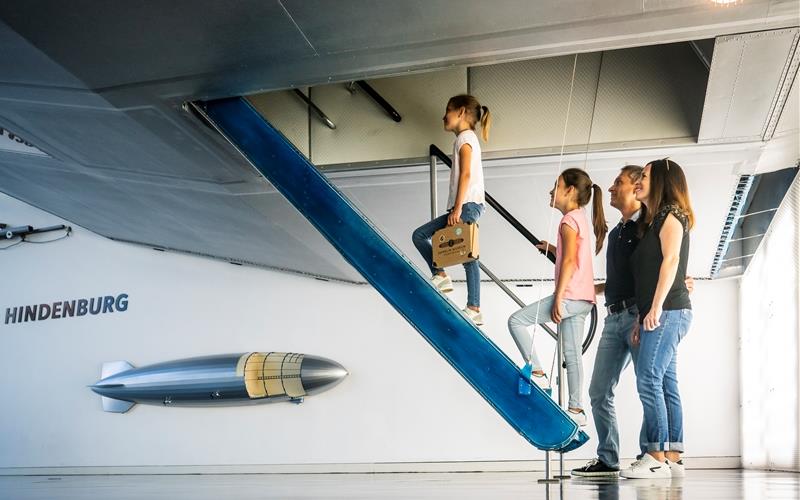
(365,132)
(747,73)
(789,121)
(529,100)
(649,93)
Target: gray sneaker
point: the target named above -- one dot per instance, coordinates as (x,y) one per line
(443,283)
(475,316)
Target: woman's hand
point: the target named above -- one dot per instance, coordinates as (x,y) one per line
(546,247)
(635,333)
(455,216)
(555,311)
(651,321)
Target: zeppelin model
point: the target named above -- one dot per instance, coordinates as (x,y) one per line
(220,380)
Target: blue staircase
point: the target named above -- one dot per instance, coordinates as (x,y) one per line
(483,365)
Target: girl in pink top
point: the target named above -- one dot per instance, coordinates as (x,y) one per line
(574,295)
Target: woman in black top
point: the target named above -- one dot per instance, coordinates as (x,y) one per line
(665,313)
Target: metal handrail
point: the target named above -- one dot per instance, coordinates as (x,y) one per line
(436,153)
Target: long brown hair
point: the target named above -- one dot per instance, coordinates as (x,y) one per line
(474,112)
(667,187)
(586,189)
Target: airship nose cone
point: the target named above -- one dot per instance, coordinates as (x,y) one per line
(320,374)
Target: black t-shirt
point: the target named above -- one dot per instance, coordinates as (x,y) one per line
(622,241)
(646,264)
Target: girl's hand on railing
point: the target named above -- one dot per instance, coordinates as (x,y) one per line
(546,247)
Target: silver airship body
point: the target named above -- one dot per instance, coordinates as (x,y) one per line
(225,379)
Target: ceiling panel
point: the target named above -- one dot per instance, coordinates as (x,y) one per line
(260,229)
(649,93)
(529,100)
(22,63)
(370,24)
(789,121)
(141,140)
(746,73)
(103,43)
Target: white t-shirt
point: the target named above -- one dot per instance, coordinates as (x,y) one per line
(475,188)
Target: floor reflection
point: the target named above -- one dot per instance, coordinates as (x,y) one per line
(697,485)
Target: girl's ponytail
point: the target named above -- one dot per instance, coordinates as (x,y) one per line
(486,123)
(475,112)
(598,218)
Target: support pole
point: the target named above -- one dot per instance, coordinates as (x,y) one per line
(561,397)
(434,202)
(547,478)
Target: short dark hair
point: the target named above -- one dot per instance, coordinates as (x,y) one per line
(634,172)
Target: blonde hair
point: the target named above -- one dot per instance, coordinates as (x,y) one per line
(474,112)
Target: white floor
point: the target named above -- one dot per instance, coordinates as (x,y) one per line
(699,484)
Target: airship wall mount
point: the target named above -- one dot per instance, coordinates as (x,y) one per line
(220,380)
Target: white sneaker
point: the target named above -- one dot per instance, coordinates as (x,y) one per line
(677,468)
(475,316)
(647,467)
(578,416)
(443,283)
(541,381)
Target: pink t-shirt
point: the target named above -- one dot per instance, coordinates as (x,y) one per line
(581,286)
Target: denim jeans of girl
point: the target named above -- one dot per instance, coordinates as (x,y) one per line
(571,330)
(470,212)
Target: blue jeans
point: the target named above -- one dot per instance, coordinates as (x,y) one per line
(571,330)
(657,380)
(470,212)
(614,353)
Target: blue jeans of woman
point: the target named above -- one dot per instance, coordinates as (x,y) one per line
(470,212)
(573,316)
(657,380)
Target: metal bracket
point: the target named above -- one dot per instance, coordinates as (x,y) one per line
(322,116)
(383,103)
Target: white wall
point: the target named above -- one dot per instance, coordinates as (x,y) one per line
(401,403)
(770,331)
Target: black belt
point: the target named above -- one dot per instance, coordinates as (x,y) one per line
(618,307)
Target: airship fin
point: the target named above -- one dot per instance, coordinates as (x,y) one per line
(116,405)
(114,367)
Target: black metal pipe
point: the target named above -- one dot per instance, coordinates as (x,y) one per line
(322,116)
(379,99)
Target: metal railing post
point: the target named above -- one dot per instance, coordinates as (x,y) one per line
(434,189)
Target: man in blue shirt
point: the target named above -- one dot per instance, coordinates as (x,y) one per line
(615,349)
